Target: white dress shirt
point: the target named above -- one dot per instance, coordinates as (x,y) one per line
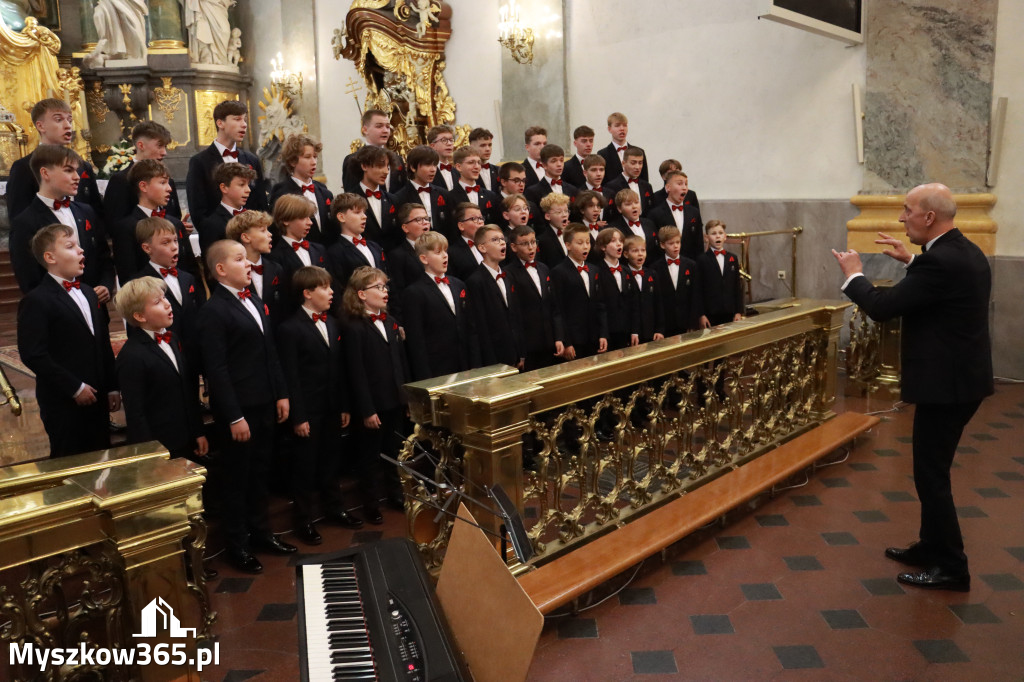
(374,202)
(617,274)
(165,347)
(80,300)
(534,275)
(446,175)
(475,251)
(558,238)
(485,176)
(673,273)
(173,285)
(257,279)
(473,196)
(584,275)
(446,291)
(309,196)
(501,282)
(321,326)
(302,253)
(424,197)
(556,189)
(363,249)
(379,324)
(64,216)
(247,304)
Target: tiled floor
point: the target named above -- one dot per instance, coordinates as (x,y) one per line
(793,587)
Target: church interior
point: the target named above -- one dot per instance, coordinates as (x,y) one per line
(714,504)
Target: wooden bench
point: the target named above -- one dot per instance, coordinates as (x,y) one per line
(566,578)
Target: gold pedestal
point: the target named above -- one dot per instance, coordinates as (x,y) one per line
(880,213)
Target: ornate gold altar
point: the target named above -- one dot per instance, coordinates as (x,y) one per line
(613,436)
(398,48)
(86,543)
(29,72)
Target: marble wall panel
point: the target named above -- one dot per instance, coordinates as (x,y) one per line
(928,96)
(1008,317)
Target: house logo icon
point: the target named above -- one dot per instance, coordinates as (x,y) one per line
(159,616)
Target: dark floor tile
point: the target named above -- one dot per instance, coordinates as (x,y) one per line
(733,542)
(1019,460)
(882,587)
(835,482)
(653,662)
(363,537)
(970,512)
(941,651)
(233,585)
(711,625)
(240,675)
(1016,552)
(871,516)
(1014,415)
(844,619)
(803,563)
(898,496)
(983,436)
(990,493)
(637,595)
(795,657)
(761,592)
(805,500)
(974,614)
(998,425)
(278,612)
(905,439)
(887,452)
(965,450)
(1009,476)
(1003,582)
(863,466)
(577,628)
(839,539)
(691,568)
(770,520)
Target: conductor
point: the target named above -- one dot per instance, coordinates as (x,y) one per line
(947,365)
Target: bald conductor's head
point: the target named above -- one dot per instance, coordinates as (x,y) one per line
(928,212)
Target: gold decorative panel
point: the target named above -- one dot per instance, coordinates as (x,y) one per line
(206,100)
(168,98)
(880,213)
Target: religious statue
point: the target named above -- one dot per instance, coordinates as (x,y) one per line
(121,29)
(235,48)
(426,16)
(209,31)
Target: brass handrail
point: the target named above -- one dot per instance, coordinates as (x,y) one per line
(744,239)
(10,395)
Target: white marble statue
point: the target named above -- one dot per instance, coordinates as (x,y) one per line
(121,29)
(235,48)
(426,16)
(209,32)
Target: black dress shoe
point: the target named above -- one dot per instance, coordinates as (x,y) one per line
(244,561)
(209,573)
(271,545)
(396,502)
(373,516)
(915,555)
(308,534)
(937,579)
(343,518)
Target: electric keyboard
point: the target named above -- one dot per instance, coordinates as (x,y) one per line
(369,613)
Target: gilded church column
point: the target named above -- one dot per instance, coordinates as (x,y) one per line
(165,25)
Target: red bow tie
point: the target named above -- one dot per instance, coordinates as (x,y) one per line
(678,208)
(62,203)
(500,275)
(374,194)
(229,152)
(308,188)
(444,166)
(486,166)
(621,149)
(615,268)
(320,317)
(471,188)
(423,189)
(258,269)
(638,272)
(236,211)
(598,189)
(672,261)
(162,338)
(582,268)
(718,252)
(530,264)
(635,181)
(469,243)
(595,228)
(173,272)
(159,212)
(539,165)
(378,318)
(634,224)
(441,280)
(74,284)
(245,294)
(554,183)
(359,240)
(304,244)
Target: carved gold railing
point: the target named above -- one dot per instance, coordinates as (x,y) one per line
(873,355)
(616,435)
(86,542)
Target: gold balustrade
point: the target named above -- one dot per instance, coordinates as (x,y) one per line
(613,436)
(873,354)
(87,542)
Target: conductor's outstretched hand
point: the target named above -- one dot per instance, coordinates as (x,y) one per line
(898,250)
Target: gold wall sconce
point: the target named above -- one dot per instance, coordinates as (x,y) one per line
(513,35)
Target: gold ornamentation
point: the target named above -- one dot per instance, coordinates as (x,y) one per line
(206,100)
(168,98)
(513,35)
(104,148)
(195,546)
(278,120)
(126,100)
(97,104)
(355,145)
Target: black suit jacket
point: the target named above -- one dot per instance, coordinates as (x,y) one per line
(690,200)
(437,340)
(438,216)
(384,231)
(650,230)
(275,291)
(352,173)
(650,313)
(692,236)
(439,179)
(92,235)
(542,320)
(327,230)
(22,187)
(584,316)
(722,291)
(616,183)
(204,194)
(461,261)
(344,257)
(621,305)
(572,172)
(489,203)
(549,247)
(239,359)
(129,257)
(498,326)
(284,255)
(404,268)
(55,343)
(213,227)
(683,304)
(161,402)
(613,167)
(120,199)
(542,188)
(943,302)
(313,370)
(533,174)
(377,369)
(491,170)
(186,313)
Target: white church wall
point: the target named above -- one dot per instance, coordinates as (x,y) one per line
(1009,83)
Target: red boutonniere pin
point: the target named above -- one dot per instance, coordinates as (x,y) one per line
(266,309)
(595,276)
(731,259)
(651,279)
(610,202)
(647,194)
(84,175)
(440,200)
(391,210)
(512,289)
(275,282)
(327,201)
(192,289)
(339,338)
(88,226)
(462,294)
(250,166)
(394,326)
(548,278)
(488,205)
(179,347)
(687,272)
(531,215)
(321,260)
